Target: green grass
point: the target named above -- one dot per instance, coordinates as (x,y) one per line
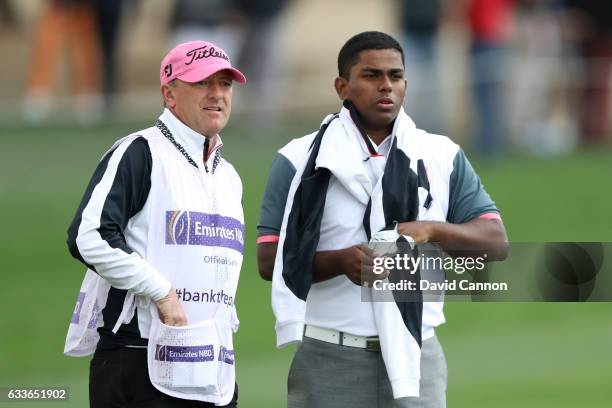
(502,355)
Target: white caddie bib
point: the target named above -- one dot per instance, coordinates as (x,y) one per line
(196,241)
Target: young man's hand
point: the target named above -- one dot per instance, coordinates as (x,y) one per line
(420,231)
(357,262)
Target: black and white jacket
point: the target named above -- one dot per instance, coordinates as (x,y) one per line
(154,215)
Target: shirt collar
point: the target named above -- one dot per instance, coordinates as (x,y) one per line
(192,141)
(381,149)
(384,146)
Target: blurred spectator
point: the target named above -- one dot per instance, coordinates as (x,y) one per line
(69,23)
(215,21)
(108,16)
(261,60)
(593,21)
(420,21)
(7,14)
(490,25)
(541,117)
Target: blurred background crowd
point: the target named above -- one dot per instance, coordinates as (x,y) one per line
(529,75)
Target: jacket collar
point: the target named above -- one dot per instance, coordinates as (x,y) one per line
(192,141)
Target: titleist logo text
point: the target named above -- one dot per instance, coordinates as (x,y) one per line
(205,52)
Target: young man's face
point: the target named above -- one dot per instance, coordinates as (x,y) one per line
(376,86)
(204,106)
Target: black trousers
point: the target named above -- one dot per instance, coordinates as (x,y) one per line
(119,378)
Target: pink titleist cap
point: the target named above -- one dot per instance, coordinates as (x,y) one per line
(194,61)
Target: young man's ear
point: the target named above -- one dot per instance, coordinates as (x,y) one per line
(341,86)
(167,92)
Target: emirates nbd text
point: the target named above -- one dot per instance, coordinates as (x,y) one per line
(446,285)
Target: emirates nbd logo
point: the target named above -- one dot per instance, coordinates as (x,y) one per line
(185,354)
(198,228)
(176,227)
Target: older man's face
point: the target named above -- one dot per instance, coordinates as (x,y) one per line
(204,106)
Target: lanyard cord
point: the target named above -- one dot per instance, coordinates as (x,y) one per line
(168,135)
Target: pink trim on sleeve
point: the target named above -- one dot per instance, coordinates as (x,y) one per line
(264,239)
(490,216)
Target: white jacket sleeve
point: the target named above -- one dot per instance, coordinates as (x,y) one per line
(117,191)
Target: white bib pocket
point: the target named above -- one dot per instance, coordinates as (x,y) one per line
(192,362)
(82,336)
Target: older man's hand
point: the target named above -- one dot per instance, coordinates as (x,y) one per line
(170,311)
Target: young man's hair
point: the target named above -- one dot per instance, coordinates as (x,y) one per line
(368,40)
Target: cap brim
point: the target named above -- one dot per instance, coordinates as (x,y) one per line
(200,73)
